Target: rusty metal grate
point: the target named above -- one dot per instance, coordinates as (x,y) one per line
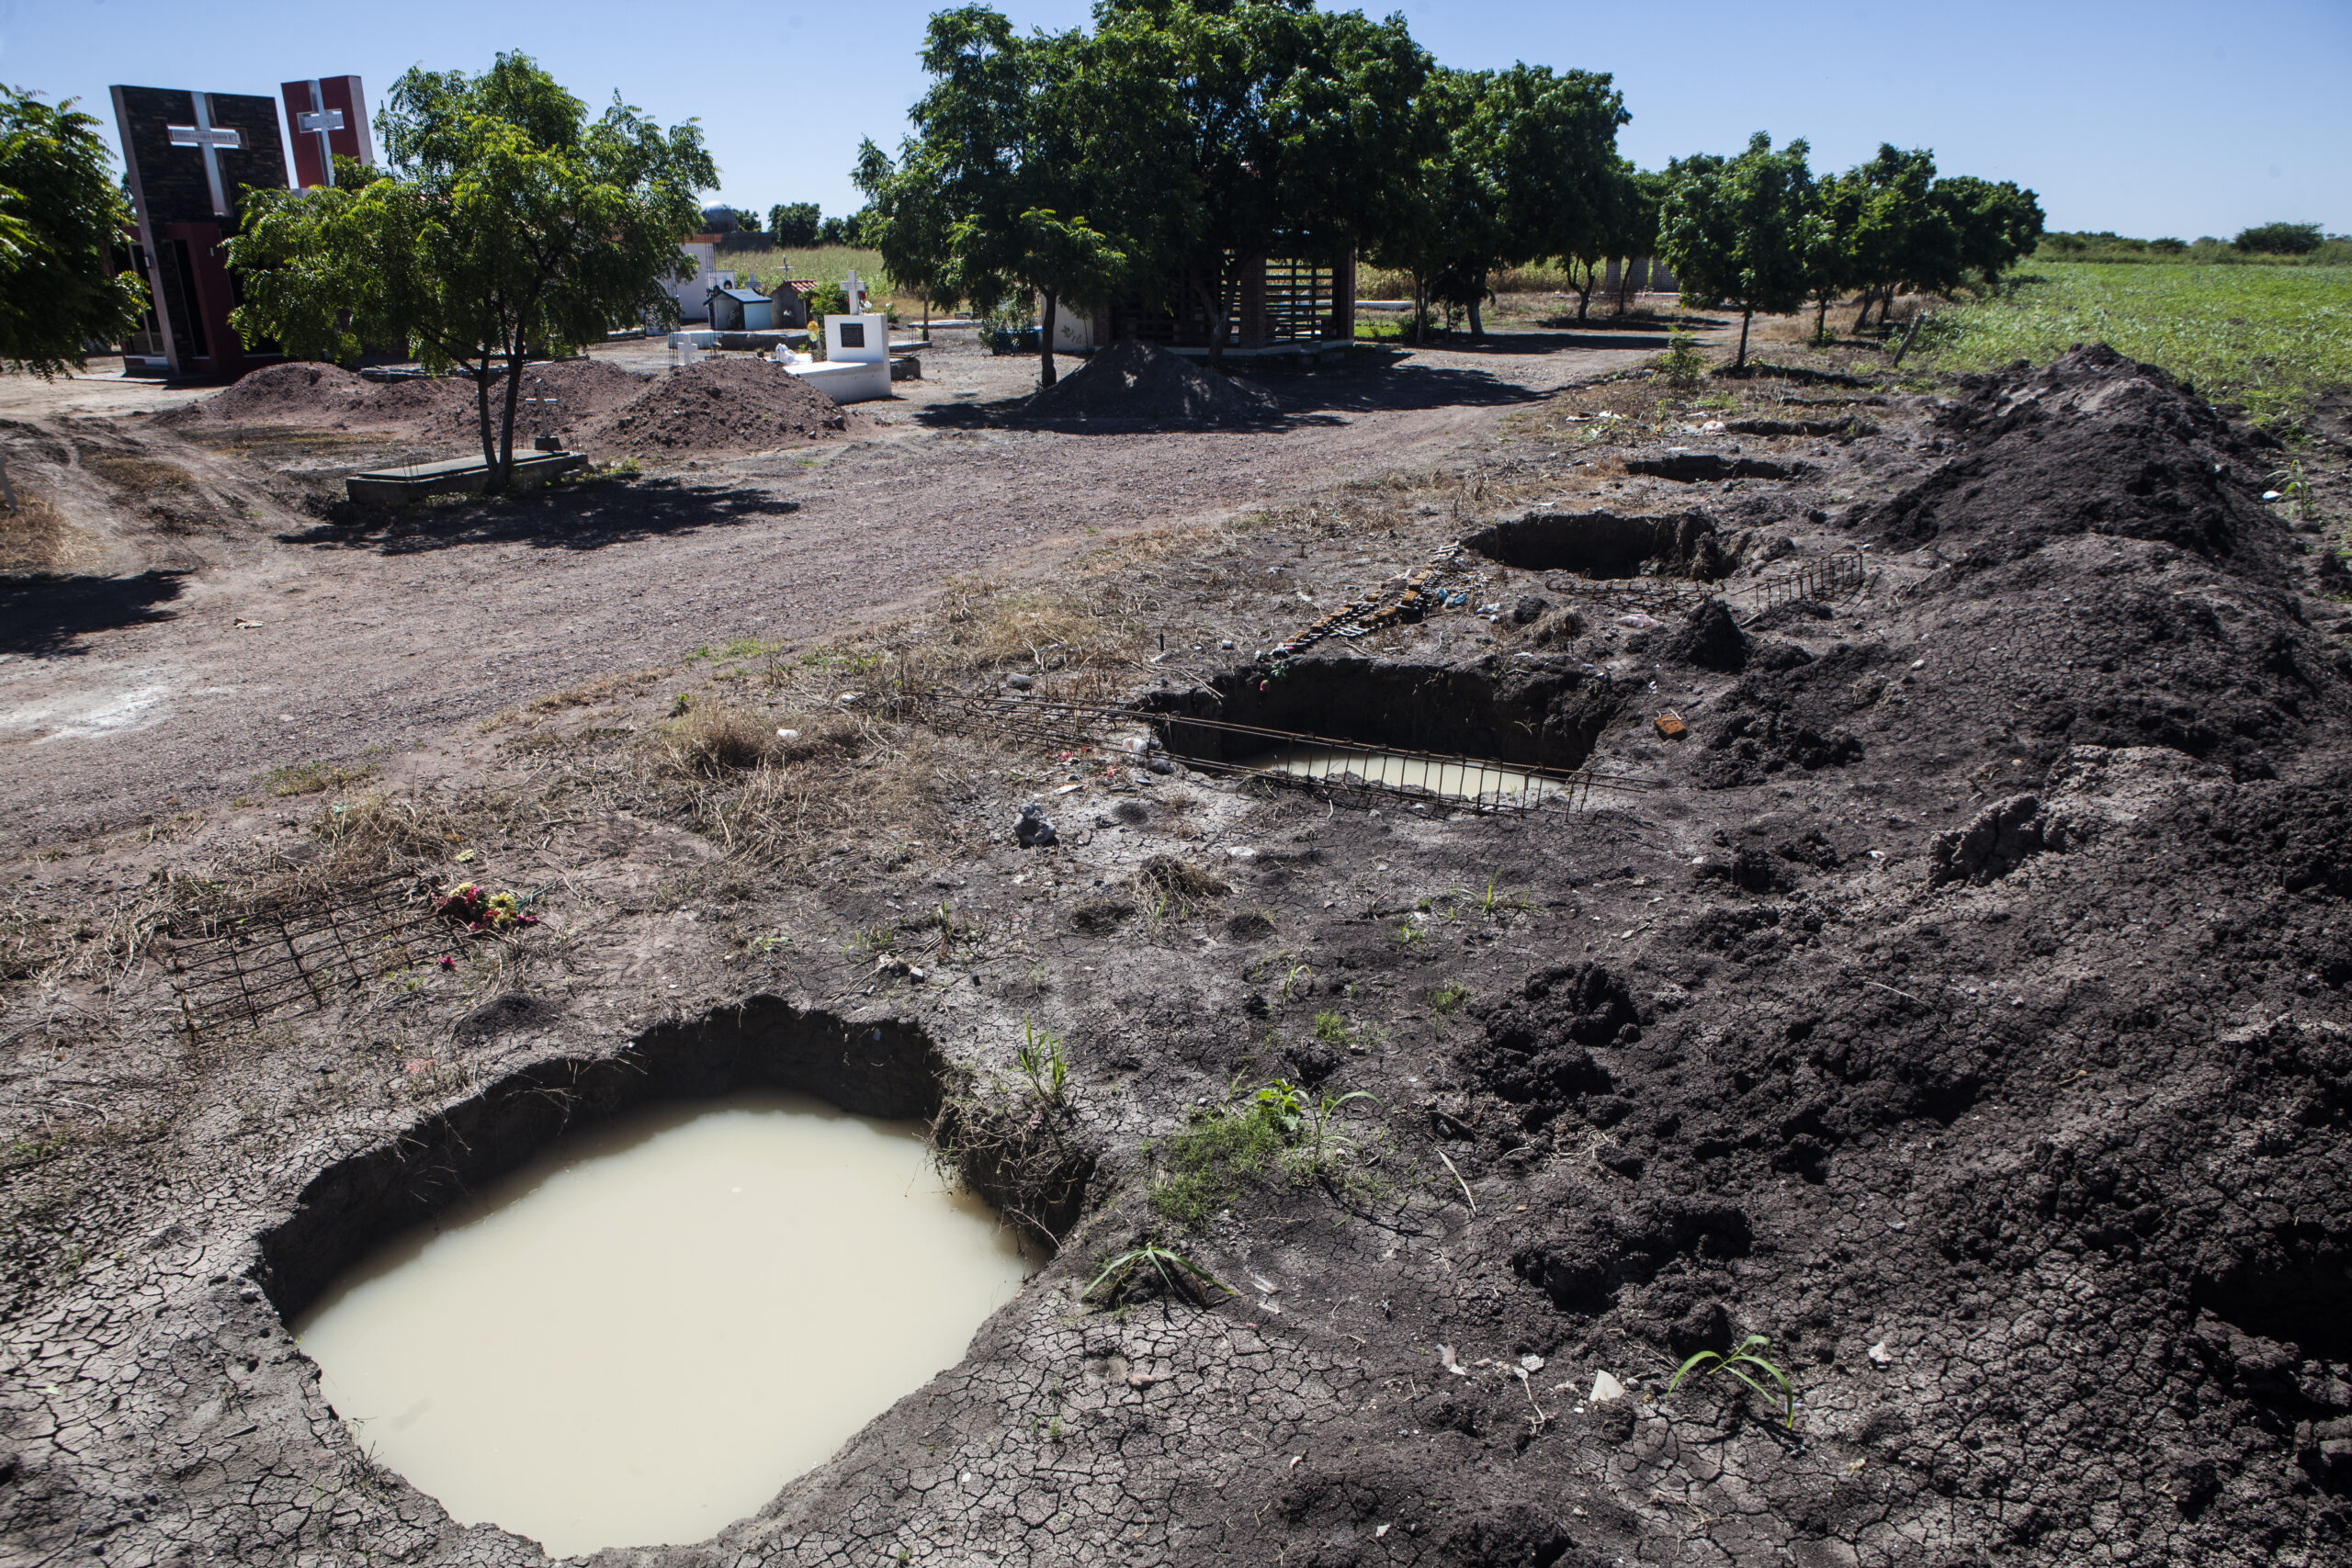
(267,960)
(1823,577)
(1455,780)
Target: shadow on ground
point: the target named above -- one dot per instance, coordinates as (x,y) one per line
(42,615)
(586,516)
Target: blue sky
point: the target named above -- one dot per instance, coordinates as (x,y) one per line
(2150,117)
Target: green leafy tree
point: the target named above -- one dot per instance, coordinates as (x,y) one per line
(1448,236)
(1830,228)
(1644,197)
(60,211)
(1901,235)
(996,193)
(1995,226)
(2279,239)
(1562,185)
(1733,231)
(1281,130)
(506,222)
(794,223)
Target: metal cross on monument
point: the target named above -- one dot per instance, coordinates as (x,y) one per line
(203,134)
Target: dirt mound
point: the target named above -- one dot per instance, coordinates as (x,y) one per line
(584,391)
(313,396)
(719,405)
(2094,444)
(1143,382)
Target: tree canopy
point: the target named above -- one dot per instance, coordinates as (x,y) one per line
(504,224)
(60,211)
(1734,230)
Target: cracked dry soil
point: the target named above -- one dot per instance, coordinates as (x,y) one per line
(1963,1010)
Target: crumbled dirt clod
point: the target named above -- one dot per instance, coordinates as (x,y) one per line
(1132,380)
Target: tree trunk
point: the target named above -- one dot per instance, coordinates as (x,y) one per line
(1821,317)
(1591,280)
(1744,317)
(1865,314)
(1625,284)
(481,408)
(504,469)
(1477,326)
(1045,340)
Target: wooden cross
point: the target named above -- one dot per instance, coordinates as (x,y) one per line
(204,135)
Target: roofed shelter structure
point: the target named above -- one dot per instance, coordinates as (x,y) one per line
(1283,304)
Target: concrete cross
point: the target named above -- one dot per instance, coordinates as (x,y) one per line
(317,121)
(203,134)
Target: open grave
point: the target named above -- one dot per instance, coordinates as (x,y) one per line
(618,1302)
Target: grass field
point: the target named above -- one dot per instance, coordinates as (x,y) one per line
(827,263)
(2271,339)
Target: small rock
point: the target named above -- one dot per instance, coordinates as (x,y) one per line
(1159,764)
(1031,831)
(1880,1355)
(1605,1389)
(1530,609)
(1019,682)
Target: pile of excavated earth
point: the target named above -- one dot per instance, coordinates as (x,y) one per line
(1134,382)
(730,405)
(1947,982)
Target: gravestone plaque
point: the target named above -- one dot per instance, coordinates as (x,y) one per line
(187,158)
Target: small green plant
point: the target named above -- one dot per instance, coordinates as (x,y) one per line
(1320,1148)
(872,938)
(1295,981)
(1044,1060)
(1706,1363)
(1177,1273)
(769,943)
(1682,364)
(1448,997)
(1410,935)
(1330,1029)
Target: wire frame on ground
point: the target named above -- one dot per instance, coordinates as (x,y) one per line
(1354,770)
(246,966)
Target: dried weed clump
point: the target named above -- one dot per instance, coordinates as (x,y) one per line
(710,742)
(373,833)
(37,537)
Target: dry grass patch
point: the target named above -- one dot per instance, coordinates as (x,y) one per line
(711,741)
(135,475)
(37,537)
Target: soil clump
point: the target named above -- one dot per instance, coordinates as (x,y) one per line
(437,409)
(1138,382)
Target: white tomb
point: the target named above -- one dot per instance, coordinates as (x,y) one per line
(856,366)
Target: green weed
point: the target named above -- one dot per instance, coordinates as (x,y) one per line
(1178,1274)
(1448,997)
(1708,1362)
(1330,1029)
(1043,1061)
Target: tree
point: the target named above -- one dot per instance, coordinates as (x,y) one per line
(1995,226)
(1280,129)
(1734,232)
(1637,226)
(506,222)
(2279,239)
(794,223)
(1449,234)
(720,221)
(60,211)
(1901,235)
(1562,185)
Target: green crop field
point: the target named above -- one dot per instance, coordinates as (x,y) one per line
(2271,339)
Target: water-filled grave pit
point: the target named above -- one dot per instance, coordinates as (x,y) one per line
(639,1336)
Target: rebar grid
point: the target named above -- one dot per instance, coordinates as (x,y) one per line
(254,963)
(1478,784)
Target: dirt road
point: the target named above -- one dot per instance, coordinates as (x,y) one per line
(293,641)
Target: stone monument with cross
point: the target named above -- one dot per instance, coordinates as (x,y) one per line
(187,156)
(329,116)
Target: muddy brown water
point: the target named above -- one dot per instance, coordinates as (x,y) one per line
(641,1336)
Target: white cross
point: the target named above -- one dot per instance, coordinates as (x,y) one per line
(202,134)
(318,122)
